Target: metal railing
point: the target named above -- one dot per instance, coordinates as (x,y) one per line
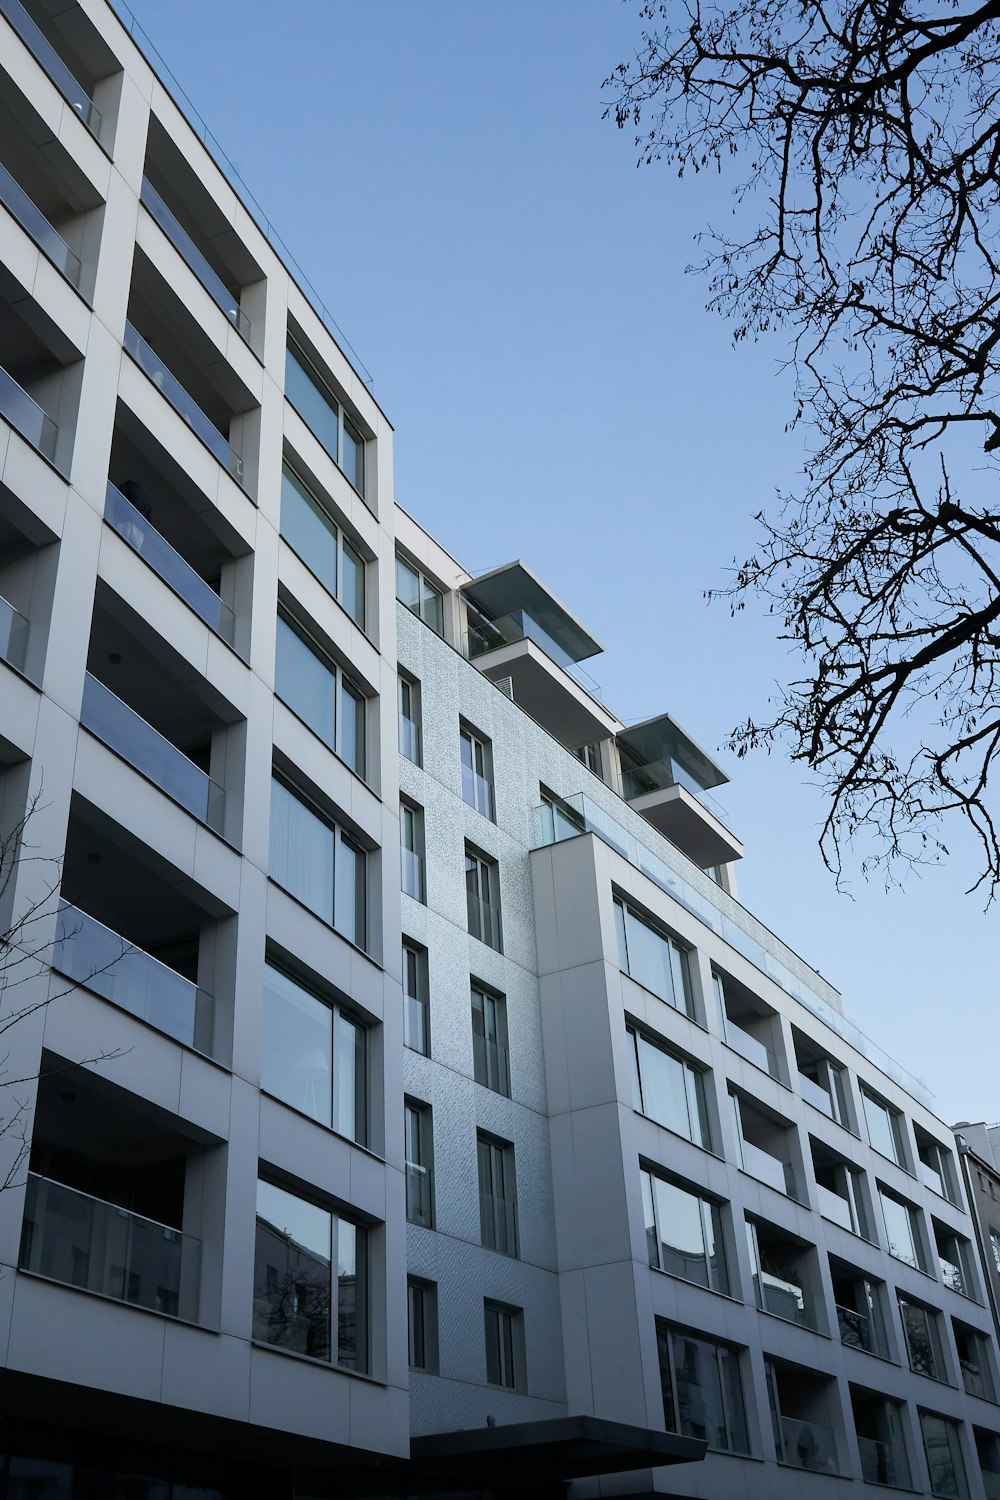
(49,240)
(143,537)
(506,630)
(672,871)
(807,1445)
(419,1194)
(184,405)
(49,60)
(145,748)
(411,867)
(491,1063)
(484,921)
(498,1223)
(14,629)
(103,961)
(85,1242)
(884,1463)
(27,417)
(227,301)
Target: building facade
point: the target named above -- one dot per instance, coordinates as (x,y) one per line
(398,1097)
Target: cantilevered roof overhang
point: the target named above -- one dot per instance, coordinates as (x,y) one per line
(514,587)
(662,737)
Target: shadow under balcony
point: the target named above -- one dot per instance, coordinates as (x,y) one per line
(70,51)
(666,777)
(40,373)
(29,554)
(519,631)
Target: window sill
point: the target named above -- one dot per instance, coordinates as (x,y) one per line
(317,1364)
(327,1129)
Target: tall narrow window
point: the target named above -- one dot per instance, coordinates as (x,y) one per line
(312,533)
(421,1322)
(482,889)
(902,1229)
(323,414)
(416,1010)
(420,596)
(477,772)
(322,696)
(317,863)
(504,1333)
(411,850)
(885,1128)
(943,1451)
(419,1180)
(409,719)
(653,959)
(489,1040)
(497,1194)
(310,1280)
(669,1090)
(313,1055)
(702,1392)
(683,1233)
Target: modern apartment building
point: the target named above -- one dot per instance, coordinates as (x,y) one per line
(401,1101)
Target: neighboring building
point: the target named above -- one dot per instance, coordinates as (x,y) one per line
(523,1156)
(978,1147)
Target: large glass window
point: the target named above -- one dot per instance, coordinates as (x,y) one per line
(322,413)
(497,1194)
(313,1056)
(489,1040)
(923,1340)
(943,1450)
(419,596)
(683,1233)
(311,531)
(902,1229)
(653,959)
(310,1280)
(320,694)
(416,1011)
(669,1090)
(477,772)
(885,1129)
(702,1393)
(317,863)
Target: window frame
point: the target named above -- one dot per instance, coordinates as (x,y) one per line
(479,782)
(418,1134)
(955,1446)
(511,1318)
(672,1416)
(343,686)
(486,873)
(310,371)
(495,1166)
(343,543)
(916,1231)
(412,871)
(930,1332)
(421,1315)
(409,686)
(340,837)
(695,1093)
(678,957)
(420,998)
(362,1057)
(495,1004)
(428,596)
(709,1209)
(897,1132)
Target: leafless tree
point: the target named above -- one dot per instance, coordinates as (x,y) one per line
(863,139)
(25,955)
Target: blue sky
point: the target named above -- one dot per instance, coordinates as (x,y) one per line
(517,288)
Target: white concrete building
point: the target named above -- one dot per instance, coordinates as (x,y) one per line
(522,1156)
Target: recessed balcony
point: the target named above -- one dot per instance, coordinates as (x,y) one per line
(14,629)
(31,219)
(26,417)
(225,299)
(45,54)
(666,777)
(183,403)
(518,630)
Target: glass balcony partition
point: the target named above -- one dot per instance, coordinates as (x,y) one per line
(33,221)
(182,241)
(884,1463)
(101,960)
(123,731)
(14,629)
(27,417)
(48,59)
(768,1168)
(658,775)
(84,1242)
(833,1206)
(807,1445)
(183,404)
(754,1051)
(419,1195)
(142,535)
(490,635)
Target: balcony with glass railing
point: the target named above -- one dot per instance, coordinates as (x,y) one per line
(666,772)
(184,404)
(816,1095)
(51,63)
(807,1445)
(498,1223)
(27,417)
(31,219)
(484,921)
(767,1168)
(859,1330)
(412,873)
(838,1209)
(106,963)
(150,753)
(142,536)
(669,869)
(884,1463)
(227,301)
(419,1194)
(14,630)
(784,1297)
(95,1246)
(507,630)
